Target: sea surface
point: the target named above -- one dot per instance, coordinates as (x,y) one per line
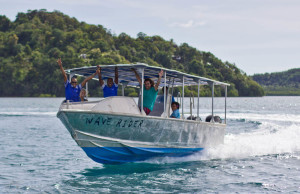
(260,154)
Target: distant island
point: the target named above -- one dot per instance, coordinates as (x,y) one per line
(30,46)
(286,83)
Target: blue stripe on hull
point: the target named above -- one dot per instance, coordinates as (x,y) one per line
(117,155)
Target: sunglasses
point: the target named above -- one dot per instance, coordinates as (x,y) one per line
(73,82)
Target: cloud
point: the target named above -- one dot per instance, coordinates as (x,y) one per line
(188,24)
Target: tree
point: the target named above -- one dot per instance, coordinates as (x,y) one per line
(5,23)
(141,35)
(197,67)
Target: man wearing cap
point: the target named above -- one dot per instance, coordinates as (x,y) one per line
(72,90)
(111,88)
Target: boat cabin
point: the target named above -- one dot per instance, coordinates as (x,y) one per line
(128,106)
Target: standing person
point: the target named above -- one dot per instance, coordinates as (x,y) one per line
(161,98)
(150,91)
(72,90)
(111,88)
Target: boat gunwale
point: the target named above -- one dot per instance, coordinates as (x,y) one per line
(141,116)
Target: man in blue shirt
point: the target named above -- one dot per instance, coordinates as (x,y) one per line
(72,90)
(111,88)
(175,108)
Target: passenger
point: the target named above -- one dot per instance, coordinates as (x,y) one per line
(150,91)
(111,89)
(72,90)
(83,95)
(161,98)
(175,108)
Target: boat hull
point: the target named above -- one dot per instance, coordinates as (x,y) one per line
(119,138)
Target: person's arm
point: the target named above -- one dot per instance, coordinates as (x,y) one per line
(62,70)
(82,96)
(116,76)
(137,77)
(160,74)
(99,76)
(87,79)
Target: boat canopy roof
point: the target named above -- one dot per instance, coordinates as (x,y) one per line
(127,76)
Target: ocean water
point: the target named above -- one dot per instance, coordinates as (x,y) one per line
(261,153)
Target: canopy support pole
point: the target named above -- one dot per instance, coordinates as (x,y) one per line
(165,93)
(198,101)
(173,87)
(225,104)
(142,87)
(124,84)
(212,102)
(182,97)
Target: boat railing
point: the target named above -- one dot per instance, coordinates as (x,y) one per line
(179,96)
(192,105)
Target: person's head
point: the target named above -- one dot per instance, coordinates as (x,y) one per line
(110,82)
(148,83)
(74,81)
(175,105)
(163,89)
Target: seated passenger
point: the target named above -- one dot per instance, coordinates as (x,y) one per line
(83,95)
(150,91)
(111,89)
(175,108)
(72,90)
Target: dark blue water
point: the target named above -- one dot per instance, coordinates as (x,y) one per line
(261,153)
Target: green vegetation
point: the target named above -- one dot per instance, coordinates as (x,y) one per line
(285,83)
(30,46)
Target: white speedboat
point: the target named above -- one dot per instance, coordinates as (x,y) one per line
(114,130)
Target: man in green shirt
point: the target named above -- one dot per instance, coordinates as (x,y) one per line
(150,91)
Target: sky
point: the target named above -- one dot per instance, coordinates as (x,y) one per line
(258,36)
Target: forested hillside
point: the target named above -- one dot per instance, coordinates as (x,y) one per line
(281,83)
(30,46)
